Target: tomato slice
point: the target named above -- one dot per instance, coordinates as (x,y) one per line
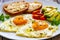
(35,12)
(38,15)
(43,18)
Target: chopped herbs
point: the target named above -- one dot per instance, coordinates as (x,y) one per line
(50,28)
(41,33)
(7,16)
(10,25)
(29,30)
(3,17)
(33,21)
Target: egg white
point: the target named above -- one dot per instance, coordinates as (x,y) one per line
(26,29)
(8,26)
(24,32)
(13,28)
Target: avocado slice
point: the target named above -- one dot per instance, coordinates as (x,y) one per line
(51,18)
(55,14)
(50,13)
(58,18)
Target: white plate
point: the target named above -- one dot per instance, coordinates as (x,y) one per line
(13,36)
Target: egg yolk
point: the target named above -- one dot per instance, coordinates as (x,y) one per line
(19,20)
(36,26)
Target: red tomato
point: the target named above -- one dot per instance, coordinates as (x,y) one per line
(38,15)
(43,18)
(35,12)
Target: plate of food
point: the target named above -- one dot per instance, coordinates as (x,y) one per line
(29,19)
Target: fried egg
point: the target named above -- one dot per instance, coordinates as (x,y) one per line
(14,23)
(39,30)
(28,31)
(25,25)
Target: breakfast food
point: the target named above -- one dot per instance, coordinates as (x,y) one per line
(4,17)
(19,20)
(36,29)
(37,14)
(15,8)
(13,24)
(34,25)
(52,15)
(25,25)
(21,7)
(34,6)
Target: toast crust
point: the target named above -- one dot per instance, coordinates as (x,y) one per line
(36,6)
(18,11)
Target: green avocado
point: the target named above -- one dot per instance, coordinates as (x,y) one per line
(52,17)
(58,18)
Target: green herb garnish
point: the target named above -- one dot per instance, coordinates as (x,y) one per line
(7,16)
(2,17)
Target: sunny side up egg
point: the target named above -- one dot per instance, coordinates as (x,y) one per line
(36,28)
(11,26)
(28,31)
(8,26)
(25,25)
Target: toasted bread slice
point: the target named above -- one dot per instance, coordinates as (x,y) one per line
(15,8)
(34,6)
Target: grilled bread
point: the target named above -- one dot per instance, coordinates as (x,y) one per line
(34,6)
(15,8)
